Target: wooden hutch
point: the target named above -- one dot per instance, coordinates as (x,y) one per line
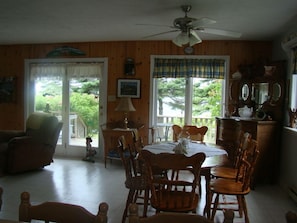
(262,91)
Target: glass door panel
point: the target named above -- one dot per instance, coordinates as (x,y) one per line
(48,98)
(84,111)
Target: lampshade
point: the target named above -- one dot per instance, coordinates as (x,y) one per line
(194,38)
(181,39)
(125,105)
(190,38)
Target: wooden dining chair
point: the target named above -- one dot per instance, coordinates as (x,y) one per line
(178,192)
(176,130)
(189,131)
(136,181)
(195,133)
(137,141)
(247,146)
(174,217)
(291,217)
(59,212)
(238,188)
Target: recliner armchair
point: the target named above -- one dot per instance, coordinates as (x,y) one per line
(31,149)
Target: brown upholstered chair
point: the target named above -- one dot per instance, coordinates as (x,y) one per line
(176,193)
(30,149)
(174,217)
(59,212)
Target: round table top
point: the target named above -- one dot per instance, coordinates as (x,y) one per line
(215,154)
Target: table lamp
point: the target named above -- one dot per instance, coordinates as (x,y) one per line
(126,106)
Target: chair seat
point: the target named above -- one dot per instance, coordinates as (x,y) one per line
(224,172)
(176,201)
(137,183)
(115,154)
(174,217)
(228,187)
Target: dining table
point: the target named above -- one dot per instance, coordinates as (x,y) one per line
(215,156)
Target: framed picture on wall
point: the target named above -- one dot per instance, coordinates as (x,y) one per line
(128,88)
(7,89)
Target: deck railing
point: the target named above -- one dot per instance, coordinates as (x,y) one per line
(179,120)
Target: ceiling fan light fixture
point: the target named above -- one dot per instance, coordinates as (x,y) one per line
(194,38)
(181,39)
(184,38)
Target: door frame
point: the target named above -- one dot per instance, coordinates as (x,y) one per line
(103,92)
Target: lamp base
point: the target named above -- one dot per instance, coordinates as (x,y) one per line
(126,121)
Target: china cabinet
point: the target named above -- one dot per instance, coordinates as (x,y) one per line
(256,106)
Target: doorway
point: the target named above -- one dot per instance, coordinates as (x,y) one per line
(72,90)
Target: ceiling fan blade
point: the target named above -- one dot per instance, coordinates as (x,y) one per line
(145,24)
(157,34)
(220,32)
(201,22)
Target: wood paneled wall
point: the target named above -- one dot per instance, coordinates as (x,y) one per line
(12,64)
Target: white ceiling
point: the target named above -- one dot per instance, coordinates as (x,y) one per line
(58,21)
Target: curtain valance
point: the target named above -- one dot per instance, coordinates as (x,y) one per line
(202,68)
(72,70)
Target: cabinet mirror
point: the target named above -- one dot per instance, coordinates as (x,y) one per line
(245,92)
(260,93)
(266,92)
(276,93)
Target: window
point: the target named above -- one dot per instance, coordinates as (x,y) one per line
(188,90)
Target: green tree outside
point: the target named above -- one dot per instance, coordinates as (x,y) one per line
(206,97)
(84,100)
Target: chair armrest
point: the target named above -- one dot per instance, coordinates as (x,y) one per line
(27,146)
(26,153)
(6,135)
(23,141)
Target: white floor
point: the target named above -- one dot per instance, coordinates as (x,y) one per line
(88,184)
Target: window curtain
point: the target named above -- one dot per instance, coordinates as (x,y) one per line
(201,68)
(294,80)
(72,70)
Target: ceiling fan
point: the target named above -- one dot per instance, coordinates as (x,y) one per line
(188,25)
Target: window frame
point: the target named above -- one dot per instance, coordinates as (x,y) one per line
(153,86)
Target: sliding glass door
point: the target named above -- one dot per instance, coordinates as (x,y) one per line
(71,91)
